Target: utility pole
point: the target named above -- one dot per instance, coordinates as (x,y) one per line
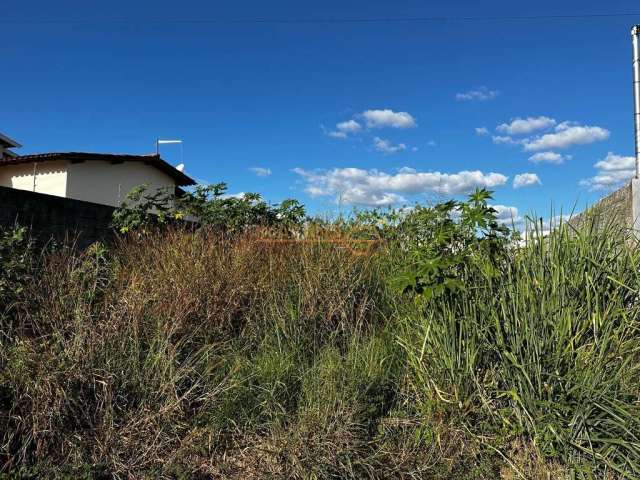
(635,182)
(635,37)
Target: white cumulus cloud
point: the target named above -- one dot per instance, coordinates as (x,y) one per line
(344,129)
(261,171)
(523,126)
(526,180)
(551,136)
(612,172)
(482,131)
(337,134)
(502,140)
(566,136)
(239,195)
(549,157)
(385,146)
(388,118)
(613,162)
(478,94)
(506,214)
(377,188)
(350,126)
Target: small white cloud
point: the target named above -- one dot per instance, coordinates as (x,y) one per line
(482,131)
(431,143)
(506,215)
(343,129)
(239,195)
(522,126)
(502,140)
(612,173)
(549,157)
(261,171)
(526,180)
(336,134)
(566,136)
(479,94)
(376,188)
(613,162)
(350,126)
(388,118)
(385,146)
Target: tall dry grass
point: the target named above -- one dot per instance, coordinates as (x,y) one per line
(166,353)
(194,355)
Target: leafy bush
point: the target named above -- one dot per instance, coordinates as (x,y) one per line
(439,248)
(208,206)
(450,243)
(143,211)
(16,262)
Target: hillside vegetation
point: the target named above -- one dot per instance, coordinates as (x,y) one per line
(425,344)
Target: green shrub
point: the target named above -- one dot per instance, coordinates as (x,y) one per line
(16,263)
(207,206)
(451,243)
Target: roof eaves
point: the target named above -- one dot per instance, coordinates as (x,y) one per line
(8,142)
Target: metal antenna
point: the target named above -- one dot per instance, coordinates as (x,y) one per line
(164,142)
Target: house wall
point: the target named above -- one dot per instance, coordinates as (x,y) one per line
(50,177)
(108,184)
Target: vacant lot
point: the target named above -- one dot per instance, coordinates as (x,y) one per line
(181,354)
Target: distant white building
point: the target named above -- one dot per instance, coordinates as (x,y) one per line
(93,177)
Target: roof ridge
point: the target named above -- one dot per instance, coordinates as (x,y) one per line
(73,152)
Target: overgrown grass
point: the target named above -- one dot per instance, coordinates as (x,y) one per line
(550,351)
(192,355)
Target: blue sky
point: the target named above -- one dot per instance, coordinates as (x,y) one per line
(406,98)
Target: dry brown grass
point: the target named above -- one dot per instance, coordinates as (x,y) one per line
(194,355)
(112,358)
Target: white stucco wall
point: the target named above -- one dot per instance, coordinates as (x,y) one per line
(50,177)
(108,184)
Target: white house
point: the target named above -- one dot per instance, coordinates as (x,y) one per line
(94,177)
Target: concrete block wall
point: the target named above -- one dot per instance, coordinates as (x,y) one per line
(54,217)
(617,207)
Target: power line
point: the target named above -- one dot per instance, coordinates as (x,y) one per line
(326,20)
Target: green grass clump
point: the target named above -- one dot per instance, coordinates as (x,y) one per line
(549,350)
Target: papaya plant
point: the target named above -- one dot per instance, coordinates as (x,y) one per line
(447,242)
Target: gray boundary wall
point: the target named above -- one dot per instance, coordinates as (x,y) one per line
(54,217)
(617,207)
